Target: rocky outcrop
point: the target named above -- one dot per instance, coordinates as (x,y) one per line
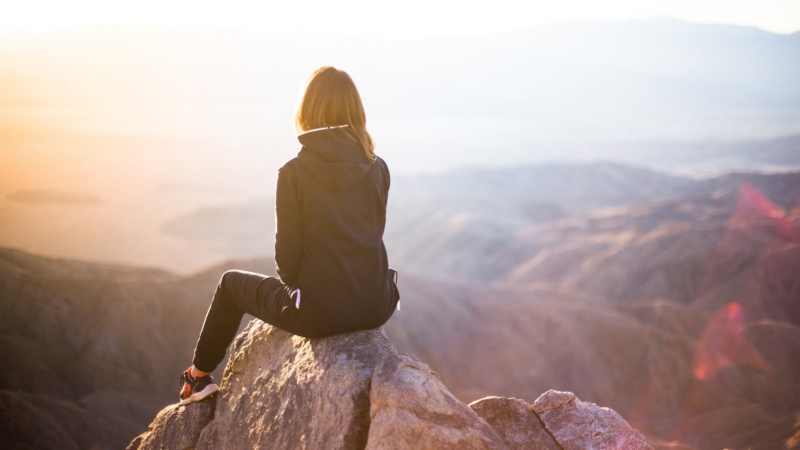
(355,391)
(283,391)
(556,421)
(411,409)
(186,424)
(516,422)
(577,425)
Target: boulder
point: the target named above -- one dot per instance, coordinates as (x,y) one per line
(516,423)
(411,409)
(578,425)
(177,427)
(354,391)
(283,391)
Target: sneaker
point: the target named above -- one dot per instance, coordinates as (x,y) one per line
(196,389)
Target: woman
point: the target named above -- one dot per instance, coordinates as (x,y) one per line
(331,261)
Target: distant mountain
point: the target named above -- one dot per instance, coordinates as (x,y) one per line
(51,197)
(92,351)
(674,304)
(701,158)
(526,224)
(445,226)
(246,230)
(577,188)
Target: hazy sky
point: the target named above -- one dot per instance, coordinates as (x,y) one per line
(410,18)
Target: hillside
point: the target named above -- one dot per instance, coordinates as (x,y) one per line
(674,304)
(91,350)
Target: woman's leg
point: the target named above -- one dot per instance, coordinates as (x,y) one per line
(237,293)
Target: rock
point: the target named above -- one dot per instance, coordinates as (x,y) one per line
(284,391)
(177,427)
(516,423)
(557,420)
(354,391)
(585,426)
(411,409)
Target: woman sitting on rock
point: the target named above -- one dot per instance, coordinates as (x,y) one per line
(330,213)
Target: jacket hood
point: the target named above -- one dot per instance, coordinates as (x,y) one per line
(334,156)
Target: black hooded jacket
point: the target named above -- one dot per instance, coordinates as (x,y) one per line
(331,213)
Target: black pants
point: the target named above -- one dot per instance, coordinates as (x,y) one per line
(239,292)
(268,299)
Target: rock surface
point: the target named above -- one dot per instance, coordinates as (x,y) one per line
(284,391)
(410,409)
(585,426)
(355,391)
(516,423)
(557,421)
(177,427)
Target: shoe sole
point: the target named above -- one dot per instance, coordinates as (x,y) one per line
(197,396)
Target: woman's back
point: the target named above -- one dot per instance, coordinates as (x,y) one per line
(331,213)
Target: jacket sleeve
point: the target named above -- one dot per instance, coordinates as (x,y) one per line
(288,227)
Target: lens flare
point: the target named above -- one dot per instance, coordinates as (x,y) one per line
(723,344)
(753,205)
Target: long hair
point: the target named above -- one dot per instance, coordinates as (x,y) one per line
(331,99)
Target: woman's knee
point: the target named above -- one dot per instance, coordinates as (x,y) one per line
(227,284)
(229,278)
(240,285)
(227,291)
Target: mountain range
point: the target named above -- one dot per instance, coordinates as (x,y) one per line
(671,300)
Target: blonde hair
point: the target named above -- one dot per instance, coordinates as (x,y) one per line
(331,99)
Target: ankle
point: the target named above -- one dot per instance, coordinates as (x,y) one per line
(194,372)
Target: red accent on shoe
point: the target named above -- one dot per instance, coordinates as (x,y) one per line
(186,391)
